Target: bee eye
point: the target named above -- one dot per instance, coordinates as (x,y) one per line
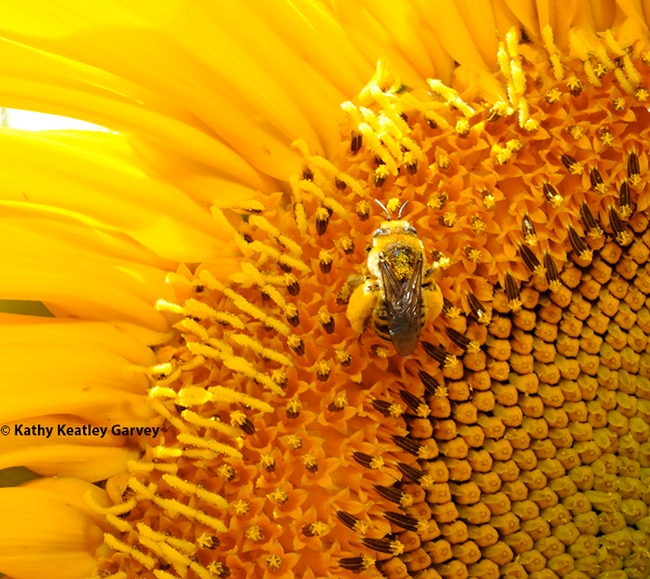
(411,230)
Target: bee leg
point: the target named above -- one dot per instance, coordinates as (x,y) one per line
(362,303)
(432,298)
(354,281)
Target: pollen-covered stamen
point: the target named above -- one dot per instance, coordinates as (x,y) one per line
(347,245)
(450,310)
(368,461)
(624,201)
(403,521)
(497,111)
(415,474)
(575,86)
(571,164)
(478,225)
(326,320)
(240,420)
(175,507)
(592,228)
(411,163)
(296,344)
(325,262)
(583,252)
(356,142)
(310,462)
(512,292)
(387,408)
(473,254)
(322,220)
(294,406)
(316,529)
(382,173)
(292,315)
(408,444)
(323,370)
(418,407)
(218,569)
(451,97)
(440,355)
(121,547)
(384,545)
(552,196)
(528,229)
(552,274)
(356,564)
(489,201)
(362,209)
(352,522)
(394,495)
(531,261)
(606,137)
(463,342)
(477,310)
(430,383)
(597,183)
(621,234)
(633,170)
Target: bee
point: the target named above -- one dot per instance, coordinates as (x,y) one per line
(397,294)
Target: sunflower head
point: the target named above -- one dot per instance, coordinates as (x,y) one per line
(460,392)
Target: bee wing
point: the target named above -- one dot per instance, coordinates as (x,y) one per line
(403,306)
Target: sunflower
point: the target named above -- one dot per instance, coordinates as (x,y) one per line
(351,289)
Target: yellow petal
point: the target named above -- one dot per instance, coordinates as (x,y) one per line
(47,530)
(37,80)
(95,174)
(402,23)
(217,77)
(38,444)
(453,33)
(478,16)
(313,31)
(53,269)
(55,367)
(73,333)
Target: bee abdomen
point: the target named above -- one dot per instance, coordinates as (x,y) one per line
(382,329)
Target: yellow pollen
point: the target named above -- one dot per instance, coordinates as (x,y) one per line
(553,95)
(273,562)
(443,161)
(462,128)
(293,442)
(450,219)
(309,461)
(340,400)
(393,205)
(254,533)
(474,255)
(489,201)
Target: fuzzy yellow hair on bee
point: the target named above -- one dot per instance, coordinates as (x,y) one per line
(398,293)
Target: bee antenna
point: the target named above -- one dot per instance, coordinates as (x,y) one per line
(399,215)
(383,207)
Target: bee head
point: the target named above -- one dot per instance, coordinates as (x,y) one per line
(399,227)
(388,228)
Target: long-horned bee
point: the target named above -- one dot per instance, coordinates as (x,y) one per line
(397,292)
